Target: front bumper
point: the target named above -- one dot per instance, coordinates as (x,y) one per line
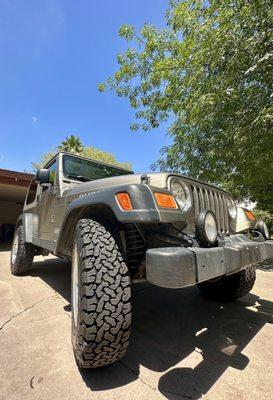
(177,267)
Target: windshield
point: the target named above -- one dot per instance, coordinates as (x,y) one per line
(87,170)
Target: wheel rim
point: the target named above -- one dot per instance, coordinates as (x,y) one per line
(75,285)
(15,246)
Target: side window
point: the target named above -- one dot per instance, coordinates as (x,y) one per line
(31,191)
(52,170)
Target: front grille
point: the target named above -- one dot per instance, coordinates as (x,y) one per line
(206,199)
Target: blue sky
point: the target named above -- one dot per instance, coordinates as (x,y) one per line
(52,55)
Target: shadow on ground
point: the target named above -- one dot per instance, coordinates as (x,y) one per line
(266,265)
(5,246)
(169,325)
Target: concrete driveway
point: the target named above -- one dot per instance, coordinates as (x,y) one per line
(182,346)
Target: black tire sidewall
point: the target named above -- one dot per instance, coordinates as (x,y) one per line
(17,233)
(24,256)
(74,328)
(83,345)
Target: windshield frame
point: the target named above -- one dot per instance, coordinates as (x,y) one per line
(120,171)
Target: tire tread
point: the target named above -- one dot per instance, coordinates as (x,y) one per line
(25,255)
(105,293)
(232,287)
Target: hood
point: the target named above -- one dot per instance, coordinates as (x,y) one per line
(155,179)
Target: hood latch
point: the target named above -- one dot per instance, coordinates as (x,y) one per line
(144,179)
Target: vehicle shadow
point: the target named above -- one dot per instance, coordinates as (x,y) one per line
(171,327)
(5,246)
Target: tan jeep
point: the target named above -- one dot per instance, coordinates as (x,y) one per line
(118,228)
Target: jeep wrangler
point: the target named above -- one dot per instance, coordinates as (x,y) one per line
(119,228)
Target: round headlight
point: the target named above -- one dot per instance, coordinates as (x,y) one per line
(262,227)
(206,227)
(232,209)
(181,194)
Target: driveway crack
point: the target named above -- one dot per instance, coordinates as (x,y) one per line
(138,376)
(24,310)
(179,395)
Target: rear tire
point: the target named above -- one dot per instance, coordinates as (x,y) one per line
(22,253)
(101,297)
(232,287)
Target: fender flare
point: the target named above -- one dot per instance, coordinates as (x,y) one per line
(29,222)
(242,222)
(145,210)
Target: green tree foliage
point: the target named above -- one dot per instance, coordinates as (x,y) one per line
(209,72)
(73,144)
(43,161)
(266,217)
(104,156)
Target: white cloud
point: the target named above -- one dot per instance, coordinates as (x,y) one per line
(35,119)
(1,157)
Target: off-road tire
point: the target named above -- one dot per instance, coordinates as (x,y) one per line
(101,316)
(232,287)
(21,263)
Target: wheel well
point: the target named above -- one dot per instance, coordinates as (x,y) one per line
(18,223)
(99,212)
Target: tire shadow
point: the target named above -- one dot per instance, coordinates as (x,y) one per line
(173,327)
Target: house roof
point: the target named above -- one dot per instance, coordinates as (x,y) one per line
(15,177)
(13,185)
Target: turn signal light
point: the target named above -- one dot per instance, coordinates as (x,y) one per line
(124,201)
(165,200)
(250,215)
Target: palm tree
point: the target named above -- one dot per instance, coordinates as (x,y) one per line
(72,144)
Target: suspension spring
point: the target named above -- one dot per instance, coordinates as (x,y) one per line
(135,247)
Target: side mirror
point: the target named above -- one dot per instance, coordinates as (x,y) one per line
(43,176)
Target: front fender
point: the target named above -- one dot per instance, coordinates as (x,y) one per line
(29,222)
(243,223)
(145,209)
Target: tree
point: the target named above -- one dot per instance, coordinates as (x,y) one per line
(104,156)
(266,217)
(43,161)
(74,145)
(210,73)
(71,144)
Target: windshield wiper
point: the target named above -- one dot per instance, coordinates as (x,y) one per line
(79,178)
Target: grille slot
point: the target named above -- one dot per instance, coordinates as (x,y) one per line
(206,199)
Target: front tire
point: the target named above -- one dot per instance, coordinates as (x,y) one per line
(101,297)
(232,287)
(22,253)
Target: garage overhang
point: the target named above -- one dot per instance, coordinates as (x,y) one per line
(14,185)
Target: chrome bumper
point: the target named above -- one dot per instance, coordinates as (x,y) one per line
(177,267)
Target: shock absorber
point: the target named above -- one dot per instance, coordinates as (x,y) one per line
(135,248)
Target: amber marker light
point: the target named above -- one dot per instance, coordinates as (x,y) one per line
(165,200)
(124,201)
(250,215)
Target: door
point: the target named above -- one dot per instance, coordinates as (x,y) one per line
(46,200)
